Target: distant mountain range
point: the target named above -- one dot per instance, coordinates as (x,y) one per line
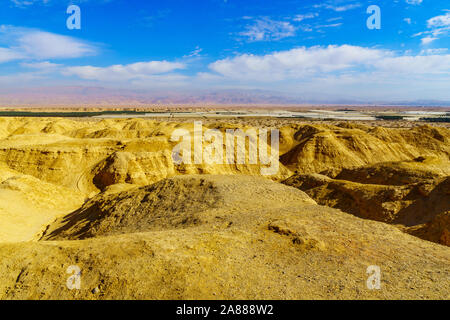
(78,95)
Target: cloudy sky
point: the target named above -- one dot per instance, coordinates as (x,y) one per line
(314,49)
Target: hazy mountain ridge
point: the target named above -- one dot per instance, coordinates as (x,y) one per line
(75,95)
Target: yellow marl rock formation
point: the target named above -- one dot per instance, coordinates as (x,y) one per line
(106,196)
(329,149)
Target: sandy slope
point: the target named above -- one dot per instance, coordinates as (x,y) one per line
(28,204)
(243,249)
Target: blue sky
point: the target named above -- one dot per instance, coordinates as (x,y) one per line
(313,49)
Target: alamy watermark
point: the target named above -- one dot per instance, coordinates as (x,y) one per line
(74,281)
(374,280)
(234,146)
(74,20)
(374,21)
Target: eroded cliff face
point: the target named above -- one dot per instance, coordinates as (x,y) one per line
(329,149)
(88,156)
(411,206)
(107,196)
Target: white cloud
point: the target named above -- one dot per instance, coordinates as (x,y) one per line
(23,43)
(295,63)
(335,71)
(139,70)
(265,29)
(45,65)
(439,21)
(439,25)
(434,51)
(338,8)
(334,19)
(346,7)
(301,17)
(407,20)
(427,40)
(333,25)
(339,71)
(26,3)
(310,63)
(29,3)
(7,55)
(420,64)
(414,2)
(194,53)
(45,45)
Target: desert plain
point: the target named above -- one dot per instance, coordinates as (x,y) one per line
(105,196)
